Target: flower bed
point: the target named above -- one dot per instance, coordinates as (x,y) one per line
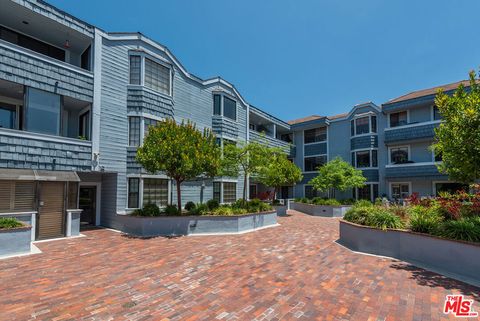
(15,237)
(456,259)
(321,207)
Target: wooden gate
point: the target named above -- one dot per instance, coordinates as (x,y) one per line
(51,210)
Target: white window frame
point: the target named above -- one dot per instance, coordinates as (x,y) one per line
(222,104)
(141,177)
(398,111)
(369,115)
(370,184)
(364,150)
(395,147)
(390,194)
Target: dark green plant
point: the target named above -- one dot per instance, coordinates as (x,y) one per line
(358,215)
(200,209)
(363,203)
(171,210)
(348,201)
(212,204)
(190,206)
(380,217)
(424,219)
(9,222)
(463,229)
(150,209)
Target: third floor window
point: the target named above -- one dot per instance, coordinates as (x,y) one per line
(156,76)
(315,135)
(229,106)
(398,119)
(363,125)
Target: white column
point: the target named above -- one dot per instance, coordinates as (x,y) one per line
(69,224)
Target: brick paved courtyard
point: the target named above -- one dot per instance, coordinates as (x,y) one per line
(291,272)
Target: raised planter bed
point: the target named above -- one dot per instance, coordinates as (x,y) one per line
(15,240)
(194,225)
(321,210)
(457,259)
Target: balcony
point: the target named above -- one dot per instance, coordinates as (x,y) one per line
(271,142)
(413,170)
(20,149)
(410,132)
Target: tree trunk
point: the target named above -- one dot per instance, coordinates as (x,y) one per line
(245,187)
(179,195)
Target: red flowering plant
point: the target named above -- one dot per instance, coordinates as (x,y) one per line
(450,205)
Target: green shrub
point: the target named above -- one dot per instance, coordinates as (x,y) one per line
(212,204)
(9,222)
(263,207)
(347,201)
(363,203)
(379,201)
(171,210)
(304,200)
(276,202)
(424,219)
(380,217)
(150,209)
(240,203)
(463,229)
(358,215)
(137,212)
(223,210)
(239,211)
(200,209)
(400,211)
(190,206)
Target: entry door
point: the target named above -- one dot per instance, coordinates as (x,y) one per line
(87,202)
(51,210)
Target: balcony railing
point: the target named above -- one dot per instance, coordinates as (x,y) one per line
(20,149)
(417,170)
(272,142)
(411,132)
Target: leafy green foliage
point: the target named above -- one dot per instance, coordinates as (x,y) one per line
(463,229)
(246,159)
(9,223)
(149,209)
(212,204)
(278,171)
(190,206)
(200,209)
(380,217)
(358,214)
(181,151)
(424,219)
(171,210)
(363,203)
(337,175)
(325,201)
(458,136)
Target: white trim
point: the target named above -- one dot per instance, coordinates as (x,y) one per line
(369,104)
(45,137)
(370,149)
(225,180)
(390,188)
(152,91)
(412,164)
(43,58)
(98,198)
(97,97)
(415,125)
(235,233)
(390,158)
(369,114)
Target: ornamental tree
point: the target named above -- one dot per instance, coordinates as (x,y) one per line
(458,136)
(181,151)
(246,158)
(337,175)
(279,171)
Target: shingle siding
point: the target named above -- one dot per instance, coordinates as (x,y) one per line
(144,101)
(315,149)
(426,171)
(410,133)
(370,141)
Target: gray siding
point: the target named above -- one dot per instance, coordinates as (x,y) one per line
(410,133)
(224,126)
(144,101)
(270,141)
(19,67)
(37,153)
(315,149)
(370,141)
(372,175)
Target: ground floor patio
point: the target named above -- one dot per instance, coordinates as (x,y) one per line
(293,271)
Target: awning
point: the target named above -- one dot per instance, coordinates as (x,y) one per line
(38,175)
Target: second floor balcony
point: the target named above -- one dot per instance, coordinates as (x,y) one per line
(411,132)
(272,142)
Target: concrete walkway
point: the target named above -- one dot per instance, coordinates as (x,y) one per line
(292,272)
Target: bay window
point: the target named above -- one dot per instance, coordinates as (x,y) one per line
(217,191)
(155,76)
(315,135)
(436,113)
(135,70)
(223,105)
(365,158)
(147,122)
(363,125)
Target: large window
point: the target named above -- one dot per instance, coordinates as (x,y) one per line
(229,192)
(312,163)
(135,67)
(17,196)
(155,191)
(367,192)
(229,106)
(217,191)
(450,187)
(398,119)
(362,125)
(315,135)
(155,76)
(400,190)
(399,155)
(43,112)
(365,158)
(133,192)
(134,131)
(8,116)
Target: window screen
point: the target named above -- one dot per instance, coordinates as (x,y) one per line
(229,192)
(133,192)
(134,131)
(157,76)
(229,108)
(135,65)
(155,191)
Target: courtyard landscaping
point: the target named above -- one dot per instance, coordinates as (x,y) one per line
(292,272)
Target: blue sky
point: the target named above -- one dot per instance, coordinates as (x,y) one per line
(295,58)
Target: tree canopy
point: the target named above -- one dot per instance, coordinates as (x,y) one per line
(337,175)
(181,151)
(279,171)
(458,136)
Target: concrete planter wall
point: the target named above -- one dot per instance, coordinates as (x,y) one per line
(458,259)
(281,210)
(15,241)
(191,225)
(321,210)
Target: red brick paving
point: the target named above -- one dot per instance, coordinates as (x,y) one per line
(291,272)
